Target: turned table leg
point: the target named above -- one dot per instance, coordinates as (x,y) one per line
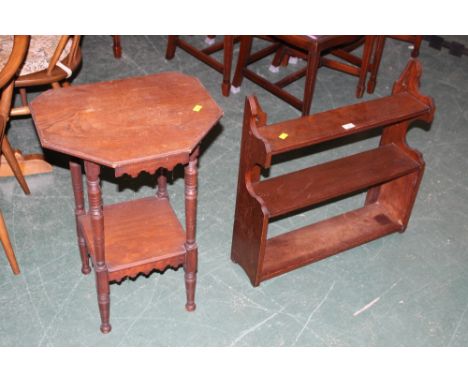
(162,184)
(190,265)
(77,183)
(97,224)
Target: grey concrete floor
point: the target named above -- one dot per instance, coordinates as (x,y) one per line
(417,282)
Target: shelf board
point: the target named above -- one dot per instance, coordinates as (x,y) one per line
(328,125)
(296,190)
(317,241)
(138,234)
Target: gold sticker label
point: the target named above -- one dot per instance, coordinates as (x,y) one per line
(197,108)
(283,136)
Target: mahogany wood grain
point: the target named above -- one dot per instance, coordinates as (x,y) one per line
(140,236)
(391,173)
(328,125)
(310,186)
(156,110)
(326,238)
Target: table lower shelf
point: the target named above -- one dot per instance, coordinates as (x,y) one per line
(140,235)
(317,241)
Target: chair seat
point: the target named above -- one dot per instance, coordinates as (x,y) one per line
(41,49)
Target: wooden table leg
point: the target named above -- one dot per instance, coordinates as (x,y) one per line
(77,183)
(191,259)
(5,240)
(117,47)
(97,223)
(162,184)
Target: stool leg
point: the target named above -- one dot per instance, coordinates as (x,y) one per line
(5,239)
(11,159)
(117,46)
(366,56)
(77,184)
(171,46)
(191,258)
(244,52)
(313,61)
(417,46)
(227,64)
(379,47)
(97,224)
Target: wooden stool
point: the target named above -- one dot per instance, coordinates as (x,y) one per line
(315,50)
(391,173)
(110,124)
(204,55)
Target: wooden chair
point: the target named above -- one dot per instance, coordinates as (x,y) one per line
(5,240)
(316,50)
(7,75)
(49,61)
(378,52)
(205,55)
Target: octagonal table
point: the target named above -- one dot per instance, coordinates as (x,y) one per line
(149,123)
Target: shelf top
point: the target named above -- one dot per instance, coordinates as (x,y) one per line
(333,124)
(128,121)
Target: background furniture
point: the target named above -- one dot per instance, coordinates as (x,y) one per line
(42,61)
(110,124)
(316,50)
(379,48)
(391,173)
(11,62)
(205,55)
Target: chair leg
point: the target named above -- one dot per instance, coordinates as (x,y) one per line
(11,159)
(228,50)
(313,61)
(244,53)
(378,52)
(5,240)
(171,47)
(366,57)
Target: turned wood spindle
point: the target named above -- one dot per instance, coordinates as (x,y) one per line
(97,223)
(190,266)
(77,183)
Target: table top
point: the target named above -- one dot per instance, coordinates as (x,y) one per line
(132,124)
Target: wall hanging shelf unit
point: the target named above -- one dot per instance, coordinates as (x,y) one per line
(391,174)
